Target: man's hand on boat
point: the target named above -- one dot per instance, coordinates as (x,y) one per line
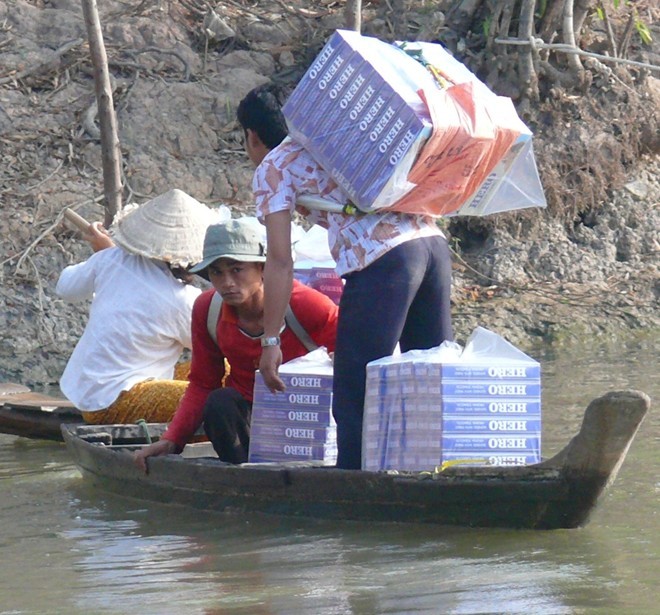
(162,447)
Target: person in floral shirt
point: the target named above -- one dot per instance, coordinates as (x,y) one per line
(396,267)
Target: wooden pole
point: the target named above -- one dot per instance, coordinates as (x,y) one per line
(353,15)
(77,220)
(110,151)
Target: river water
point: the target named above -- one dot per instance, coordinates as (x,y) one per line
(66,548)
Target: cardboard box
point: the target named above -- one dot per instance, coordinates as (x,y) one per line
(323,279)
(481,405)
(297,424)
(358,111)
(393,135)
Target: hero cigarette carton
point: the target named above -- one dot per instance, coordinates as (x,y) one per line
(381,154)
(323,279)
(493,390)
(296,424)
(334,97)
(473,157)
(356,88)
(314,265)
(478,406)
(492,459)
(277,451)
(486,425)
(481,443)
(489,407)
(303,102)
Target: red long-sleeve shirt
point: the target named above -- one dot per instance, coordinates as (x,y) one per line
(316,313)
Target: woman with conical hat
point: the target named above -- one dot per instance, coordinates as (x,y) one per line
(122,368)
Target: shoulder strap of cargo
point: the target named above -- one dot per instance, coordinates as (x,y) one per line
(289,318)
(213,316)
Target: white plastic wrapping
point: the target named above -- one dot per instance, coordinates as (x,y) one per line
(479,405)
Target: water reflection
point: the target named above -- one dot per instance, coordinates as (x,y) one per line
(129,567)
(158,558)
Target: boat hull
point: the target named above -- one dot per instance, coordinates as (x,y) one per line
(34,415)
(558,493)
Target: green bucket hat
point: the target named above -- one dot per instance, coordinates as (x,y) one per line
(237,239)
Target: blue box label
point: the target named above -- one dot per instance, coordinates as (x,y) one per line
(485,372)
(527,389)
(498,407)
(264,451)
(489,424)
(526,443)
(482,458)
(261,430)
(291,415)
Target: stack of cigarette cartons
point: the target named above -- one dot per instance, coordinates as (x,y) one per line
(314,265)
(297,424)
(361,116)
(323,279)
(480,406)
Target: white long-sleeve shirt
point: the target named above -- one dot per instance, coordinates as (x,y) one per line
(139,322)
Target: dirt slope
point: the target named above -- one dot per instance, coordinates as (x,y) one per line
(177,84)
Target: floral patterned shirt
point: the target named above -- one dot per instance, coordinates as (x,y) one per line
(289,171)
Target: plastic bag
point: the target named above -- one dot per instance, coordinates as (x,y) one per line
(315,362)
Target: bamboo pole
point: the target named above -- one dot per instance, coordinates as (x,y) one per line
(110,151)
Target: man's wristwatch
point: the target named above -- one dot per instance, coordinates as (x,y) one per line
(270,341)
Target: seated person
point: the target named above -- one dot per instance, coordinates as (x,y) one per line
(121,370)
(233,262)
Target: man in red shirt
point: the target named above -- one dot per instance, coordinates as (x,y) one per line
(233,262)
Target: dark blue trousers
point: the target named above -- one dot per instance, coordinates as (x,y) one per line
(227,416)
(401,297)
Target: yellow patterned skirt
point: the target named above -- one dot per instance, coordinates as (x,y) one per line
(155,401)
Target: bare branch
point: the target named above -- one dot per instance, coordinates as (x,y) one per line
(569,38)
(59,52)
(110,151)
(528,74)
(580,12)
(627,35)
(608,27)
(561,48)
(550,21)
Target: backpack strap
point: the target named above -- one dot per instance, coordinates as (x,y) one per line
(289,318)
(298,330)
(213,316)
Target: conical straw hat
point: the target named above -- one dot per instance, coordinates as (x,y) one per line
(169,228)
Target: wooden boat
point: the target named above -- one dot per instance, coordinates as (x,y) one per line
(34,415)
(558,493)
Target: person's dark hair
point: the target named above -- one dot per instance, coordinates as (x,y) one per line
(261,111)
(181,273)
